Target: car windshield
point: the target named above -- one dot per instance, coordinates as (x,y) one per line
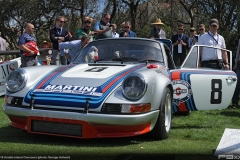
(124,50)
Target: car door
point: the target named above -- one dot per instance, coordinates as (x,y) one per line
(198,88)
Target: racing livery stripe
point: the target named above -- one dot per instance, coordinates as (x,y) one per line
(182,107)
(120,76)
(197,71)
(190,102)
(52,75)
(176,75)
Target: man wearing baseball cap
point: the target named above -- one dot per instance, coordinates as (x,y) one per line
(209,57)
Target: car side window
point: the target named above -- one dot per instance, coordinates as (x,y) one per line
(191,59)
(169,57)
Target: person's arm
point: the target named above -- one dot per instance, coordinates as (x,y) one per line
(25,49)
(185,43)
(174,41)
(225,60)
(225,56)
(67,36)
(53,37)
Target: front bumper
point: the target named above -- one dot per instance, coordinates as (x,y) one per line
(80,125)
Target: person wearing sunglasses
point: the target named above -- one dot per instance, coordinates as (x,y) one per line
(193,38)
(209,57)
(127,31)
(103,27)
(180,45)
(201,29)
(86,29)
(59,34)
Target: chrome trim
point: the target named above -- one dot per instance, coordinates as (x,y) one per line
(24,77)
(144,90)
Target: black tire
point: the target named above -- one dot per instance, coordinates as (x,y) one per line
(162,127)
(184,113)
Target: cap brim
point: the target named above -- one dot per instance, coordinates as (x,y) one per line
(214,24)
(47,43)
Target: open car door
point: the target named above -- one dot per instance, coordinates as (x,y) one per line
(197,88)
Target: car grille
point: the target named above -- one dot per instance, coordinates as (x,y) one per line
(57,128)
(111,108)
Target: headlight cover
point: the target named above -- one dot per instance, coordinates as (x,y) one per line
(16,80)
(134,86)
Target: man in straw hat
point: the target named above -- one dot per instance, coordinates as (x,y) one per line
(157,31)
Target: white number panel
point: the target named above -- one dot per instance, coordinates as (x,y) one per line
(212,91)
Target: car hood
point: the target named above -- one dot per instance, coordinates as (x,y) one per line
(74,84)
(92,75)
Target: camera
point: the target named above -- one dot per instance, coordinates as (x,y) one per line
(95,33)
(196,37)
(110,25)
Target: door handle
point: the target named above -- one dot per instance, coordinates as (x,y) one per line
(231,79)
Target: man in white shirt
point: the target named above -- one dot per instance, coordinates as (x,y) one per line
(114,31)
(210,57)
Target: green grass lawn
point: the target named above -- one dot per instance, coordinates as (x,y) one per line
(192,137)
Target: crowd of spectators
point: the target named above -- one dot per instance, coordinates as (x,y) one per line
(64,47)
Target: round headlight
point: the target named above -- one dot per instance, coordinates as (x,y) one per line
(16,80)
(134,86)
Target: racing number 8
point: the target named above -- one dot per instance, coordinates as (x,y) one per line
(216,89)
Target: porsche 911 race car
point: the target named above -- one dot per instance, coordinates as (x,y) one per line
(114,88)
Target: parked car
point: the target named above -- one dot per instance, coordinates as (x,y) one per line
(114,88)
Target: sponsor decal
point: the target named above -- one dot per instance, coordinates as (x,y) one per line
(6,69)
(181,91)
(85,90)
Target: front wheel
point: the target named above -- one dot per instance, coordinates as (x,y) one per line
(162,127)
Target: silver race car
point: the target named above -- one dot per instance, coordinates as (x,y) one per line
(114,88)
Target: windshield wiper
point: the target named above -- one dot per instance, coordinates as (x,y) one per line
(102,59)
(125,59)
(150,61)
